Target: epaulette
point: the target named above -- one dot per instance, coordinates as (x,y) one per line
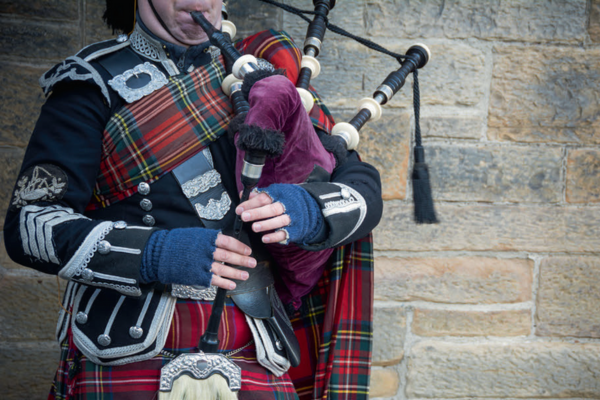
(78,67)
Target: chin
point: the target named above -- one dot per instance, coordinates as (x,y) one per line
(193,34)
(191,31)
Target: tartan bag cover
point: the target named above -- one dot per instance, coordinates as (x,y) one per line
(149,138)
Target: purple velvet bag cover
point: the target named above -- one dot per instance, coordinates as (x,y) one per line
(275,104)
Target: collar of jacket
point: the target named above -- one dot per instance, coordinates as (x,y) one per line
(149,45)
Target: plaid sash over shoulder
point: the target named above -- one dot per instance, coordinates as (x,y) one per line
(149,138)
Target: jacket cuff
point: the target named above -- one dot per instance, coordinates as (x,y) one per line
(344,210)
(110,256)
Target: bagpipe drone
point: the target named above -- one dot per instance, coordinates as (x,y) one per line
(260,137)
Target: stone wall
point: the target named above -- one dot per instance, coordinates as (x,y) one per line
(499,300)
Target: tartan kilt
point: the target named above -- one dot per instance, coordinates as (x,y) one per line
(77,378)
(335,328)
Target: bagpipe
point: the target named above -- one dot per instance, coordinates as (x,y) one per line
(262,134)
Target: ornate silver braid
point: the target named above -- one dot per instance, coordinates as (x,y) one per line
(194,292)
(144,47)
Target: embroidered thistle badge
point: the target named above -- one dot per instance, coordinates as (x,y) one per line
(40,183)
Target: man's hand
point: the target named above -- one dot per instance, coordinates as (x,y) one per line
(231,251)
(271,215)
(195,256)
(287,208)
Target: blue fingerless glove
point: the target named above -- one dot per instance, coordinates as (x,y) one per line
(304,212)
(183,256)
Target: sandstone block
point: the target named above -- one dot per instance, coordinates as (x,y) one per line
(568,297)
(550,97)
(471,323)
(38,40)
(21,98)
(495,174)
(451,126)
(385,144)
(251,17)
(10,164)
(384,383)
(490,227)
(27,369)
(461,280)
(503,370)
(594,27)
(343,66)
(520,20)
(28,307)
(583,176)
(389,332)
(350,72)
(348,14)
(44,9)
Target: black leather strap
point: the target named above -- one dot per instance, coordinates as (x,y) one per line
(281,326)
(121,61)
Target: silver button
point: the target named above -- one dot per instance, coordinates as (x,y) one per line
(120,225)
(136,332)
(81,317)
(149,220)
(143,188)
(104,340)
(345,193)
(121,38)
(146,205)
(278,345)
(104,247)
(87,274)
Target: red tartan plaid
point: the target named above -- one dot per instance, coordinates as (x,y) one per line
(335,333)
(150,137)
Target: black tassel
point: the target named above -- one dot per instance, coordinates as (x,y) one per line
(422,199)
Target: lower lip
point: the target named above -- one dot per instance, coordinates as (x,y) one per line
(205,13)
